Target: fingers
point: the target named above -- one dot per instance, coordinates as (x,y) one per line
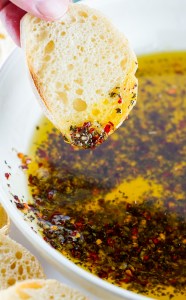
(44,9)
(3,3)
(10,16)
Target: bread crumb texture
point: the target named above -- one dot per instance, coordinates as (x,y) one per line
(16,263)
(39,290)
(84,71)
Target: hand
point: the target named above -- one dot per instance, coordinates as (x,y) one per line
(11,12)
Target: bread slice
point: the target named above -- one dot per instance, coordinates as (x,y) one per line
(4,221)
(16,263)
(84,72)
(40,290)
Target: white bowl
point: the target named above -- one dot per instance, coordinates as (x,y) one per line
(151,26)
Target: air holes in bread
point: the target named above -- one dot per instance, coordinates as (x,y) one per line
(83,14)
(94,18)
(70,67)
(66,87)
(79,92)
(58,84)
(95,112)
(18,255)
(11,281)
(47,58)
(42,36)
(49,47)
(63,97)
(123,63)
(79,105)
(79,81)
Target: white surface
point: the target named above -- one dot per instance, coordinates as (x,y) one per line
(151,25)
(6,44)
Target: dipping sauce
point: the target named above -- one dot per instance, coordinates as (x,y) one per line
(119,211)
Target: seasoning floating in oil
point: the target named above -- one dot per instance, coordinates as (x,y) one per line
(119,211)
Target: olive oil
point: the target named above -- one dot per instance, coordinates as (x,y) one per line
(119,211)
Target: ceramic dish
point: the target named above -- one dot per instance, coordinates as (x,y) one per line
(151,26)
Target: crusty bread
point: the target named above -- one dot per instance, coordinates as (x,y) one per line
(16,263)
(40,290)
(84,71)
(4,221)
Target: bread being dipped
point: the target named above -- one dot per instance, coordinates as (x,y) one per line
(83,71)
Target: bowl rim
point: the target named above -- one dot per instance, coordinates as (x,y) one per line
(37,241)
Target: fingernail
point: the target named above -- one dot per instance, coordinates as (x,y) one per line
(52,9)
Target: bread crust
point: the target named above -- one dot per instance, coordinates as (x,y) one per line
(38,86)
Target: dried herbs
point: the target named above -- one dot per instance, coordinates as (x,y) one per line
(119,211)
(87,136)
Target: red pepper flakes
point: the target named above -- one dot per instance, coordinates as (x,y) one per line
(20,155)
(20,205)
(95,192)
(93,256)
(86,124)
(134,231)
(172,92)
(155,241)
(109,127)
(120,101)
(24,167)
(78,225)
(111,124)
(7,175)
(91,130)
(16,198)
(74,233)
(147,215)
(173,281)
(42,153)
(110,231)
(103,274)
(25,160)
(110,242)
(126,280)
(86,136)
(154,225)
(145,257)
(175,257)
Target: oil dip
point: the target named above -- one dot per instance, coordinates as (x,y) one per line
(119,211)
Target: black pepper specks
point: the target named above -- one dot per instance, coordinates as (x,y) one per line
(135,241)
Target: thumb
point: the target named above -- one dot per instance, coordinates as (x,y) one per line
(44,9)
